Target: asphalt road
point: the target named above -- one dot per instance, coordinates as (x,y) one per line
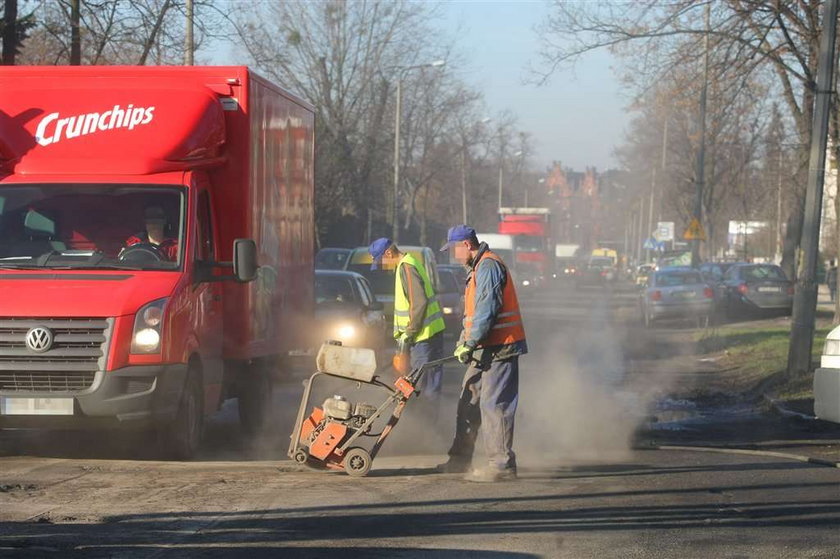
(590,483)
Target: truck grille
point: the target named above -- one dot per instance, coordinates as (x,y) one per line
(79,349)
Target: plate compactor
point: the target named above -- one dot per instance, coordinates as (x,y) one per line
(331,436)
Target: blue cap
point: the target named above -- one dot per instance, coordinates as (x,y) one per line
(377,249)
(457,234)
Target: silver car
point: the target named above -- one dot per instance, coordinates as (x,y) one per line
(676,293)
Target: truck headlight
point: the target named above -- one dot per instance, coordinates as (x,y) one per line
(148,322)
(448,310)
(346,332)
(832,347)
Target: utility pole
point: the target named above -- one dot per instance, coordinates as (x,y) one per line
(778,241)
(650,210)
(805,296)
(189,46)
(395,224)
(664,165)
(501,167)
(75,36)
(464,182)
(701,152)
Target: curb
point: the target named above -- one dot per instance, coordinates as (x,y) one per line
(764,453)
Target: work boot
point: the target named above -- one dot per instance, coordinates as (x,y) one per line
(453,466)
(490,475)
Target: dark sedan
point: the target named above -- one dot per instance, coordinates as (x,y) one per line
(331,258)
(756,288)
(347,310)
(598,272)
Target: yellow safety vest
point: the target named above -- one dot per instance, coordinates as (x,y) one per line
(433,321)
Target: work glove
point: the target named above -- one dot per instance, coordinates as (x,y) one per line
(464,353)
(404,341)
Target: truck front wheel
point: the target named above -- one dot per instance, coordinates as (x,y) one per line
(180,439)
(255,400)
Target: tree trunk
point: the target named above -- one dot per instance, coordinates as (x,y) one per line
(75,34)
(9,32)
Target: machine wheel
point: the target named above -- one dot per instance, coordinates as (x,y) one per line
(301,456)
(180,439)
(357,462)
(255,399)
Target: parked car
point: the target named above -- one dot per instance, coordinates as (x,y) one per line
(347,310)
(382,280)
(677,292)
(331,258)
(598,272)
(749,288)
(453,280)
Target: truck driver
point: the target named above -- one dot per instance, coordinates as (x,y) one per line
(155,219)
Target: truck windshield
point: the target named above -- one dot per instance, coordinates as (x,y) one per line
(526,243)
(91,226)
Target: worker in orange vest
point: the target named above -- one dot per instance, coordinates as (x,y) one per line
(491,342)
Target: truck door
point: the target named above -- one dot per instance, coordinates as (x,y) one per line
(208,297)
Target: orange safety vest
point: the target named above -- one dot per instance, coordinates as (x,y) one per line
(508,327)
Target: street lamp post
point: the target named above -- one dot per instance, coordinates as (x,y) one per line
(502,171)
(401,72)
(464,171)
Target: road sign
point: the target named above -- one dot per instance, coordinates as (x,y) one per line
(664,231)
(695,231)
(650,244)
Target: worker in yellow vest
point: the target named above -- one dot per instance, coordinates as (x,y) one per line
(491,343)
(418,318)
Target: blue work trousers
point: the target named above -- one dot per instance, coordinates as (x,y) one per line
(489,396)
(422,353)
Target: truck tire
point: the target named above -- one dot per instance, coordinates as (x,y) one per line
(255,400)
(180,439)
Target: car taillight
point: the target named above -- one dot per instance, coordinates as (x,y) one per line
(708,293)
(656,295)
(790,290)
(743,289)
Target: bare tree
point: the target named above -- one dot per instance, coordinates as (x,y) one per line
(750,36)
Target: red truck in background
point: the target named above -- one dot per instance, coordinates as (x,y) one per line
(156,242)
(532,244)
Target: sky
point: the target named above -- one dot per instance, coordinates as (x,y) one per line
(578,118)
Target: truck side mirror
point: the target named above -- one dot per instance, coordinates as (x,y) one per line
(244,260)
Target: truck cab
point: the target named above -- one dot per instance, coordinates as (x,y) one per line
(155,245)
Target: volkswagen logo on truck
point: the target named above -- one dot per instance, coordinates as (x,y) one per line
(39,339)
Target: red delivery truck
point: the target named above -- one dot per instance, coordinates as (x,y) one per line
(531,231)
(156,242)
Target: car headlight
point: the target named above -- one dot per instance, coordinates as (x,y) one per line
(448,310)
(526,283)
(832,347)
(148,322)
(346,332)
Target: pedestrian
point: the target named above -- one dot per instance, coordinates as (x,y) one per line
(491,343)
(418,318)
(831,280)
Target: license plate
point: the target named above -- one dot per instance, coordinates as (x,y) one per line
(769,289)
(36,406)
(684,294)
